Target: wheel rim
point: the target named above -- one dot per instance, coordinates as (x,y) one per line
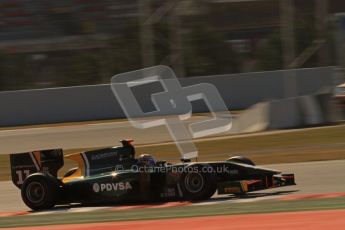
(194,182)
(35,192)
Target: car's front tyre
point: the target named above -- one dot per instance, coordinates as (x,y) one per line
(198,182)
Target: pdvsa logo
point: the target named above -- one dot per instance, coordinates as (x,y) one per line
(120,186)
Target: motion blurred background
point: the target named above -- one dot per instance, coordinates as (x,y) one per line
(78,42)
(278,65)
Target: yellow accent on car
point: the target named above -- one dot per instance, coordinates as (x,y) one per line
(80,172)
(244,185)
(232,190)
(37,155)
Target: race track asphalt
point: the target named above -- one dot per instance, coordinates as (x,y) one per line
(311,178)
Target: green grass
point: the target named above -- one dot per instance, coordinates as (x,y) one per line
(175,212)
(327,143)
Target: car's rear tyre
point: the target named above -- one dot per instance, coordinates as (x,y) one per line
(40,191)
(242,160)
(198,182)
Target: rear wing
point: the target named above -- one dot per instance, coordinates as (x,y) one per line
(25,164)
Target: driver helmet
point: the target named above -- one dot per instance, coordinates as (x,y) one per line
(147,160)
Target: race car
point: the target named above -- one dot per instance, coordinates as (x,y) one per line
(113,175)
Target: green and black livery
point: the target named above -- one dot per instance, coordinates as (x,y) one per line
(113,175)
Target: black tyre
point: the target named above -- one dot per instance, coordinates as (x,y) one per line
(242,160)
(198,182)
(40,191)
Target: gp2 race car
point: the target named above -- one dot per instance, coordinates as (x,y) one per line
(114,175)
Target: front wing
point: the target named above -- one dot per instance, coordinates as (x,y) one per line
(244,186)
